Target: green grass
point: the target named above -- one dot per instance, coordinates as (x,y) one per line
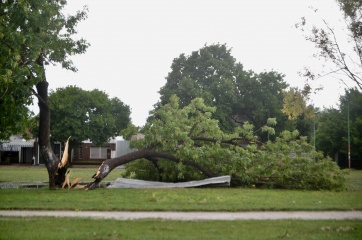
(70,228)
(188,199)
(203,199)
(195,199)
(40,174)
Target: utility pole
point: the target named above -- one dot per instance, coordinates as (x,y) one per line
(349,141)
(314,130)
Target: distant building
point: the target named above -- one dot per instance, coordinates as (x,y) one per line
(17,150)
(89,153)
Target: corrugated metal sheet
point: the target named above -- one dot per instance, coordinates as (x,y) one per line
(134,183)
(20,144)
(16,145)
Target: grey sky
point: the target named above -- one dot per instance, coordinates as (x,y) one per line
(134,42)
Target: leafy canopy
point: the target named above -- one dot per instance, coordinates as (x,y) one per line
(32,33)
(212,73)
(332,131)
(86,115)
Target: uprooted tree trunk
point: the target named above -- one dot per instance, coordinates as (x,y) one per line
(110,164)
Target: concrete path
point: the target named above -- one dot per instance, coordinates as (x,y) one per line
(191,216)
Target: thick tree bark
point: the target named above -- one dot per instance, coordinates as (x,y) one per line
(50,159)
(56,177)
(110,164)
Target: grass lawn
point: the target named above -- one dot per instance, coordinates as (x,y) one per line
(191,199)
(70,228)
(195,199)
(39,174)
(180,199)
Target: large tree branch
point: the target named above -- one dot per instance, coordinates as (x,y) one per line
(110,164)
(233,141)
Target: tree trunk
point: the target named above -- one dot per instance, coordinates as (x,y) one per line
(110,164)
(56,178)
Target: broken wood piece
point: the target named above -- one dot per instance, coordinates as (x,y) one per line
(80,186)
(74,182)
(64,160)
(66,181)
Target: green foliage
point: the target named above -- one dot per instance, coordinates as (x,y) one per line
(352,11)
(290,162)
(213,74)
(14,113)
(351,105)
(190,133)
(332,130)
(128,132)
(86,115)
(32,33)
(295,104)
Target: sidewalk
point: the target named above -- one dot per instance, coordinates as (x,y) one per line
(192,216)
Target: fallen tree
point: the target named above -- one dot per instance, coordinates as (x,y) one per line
(183,144)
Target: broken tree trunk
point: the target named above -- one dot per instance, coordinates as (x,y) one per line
(110,164)
(50,159)
(56,168)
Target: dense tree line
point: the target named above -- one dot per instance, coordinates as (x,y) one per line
(332,129)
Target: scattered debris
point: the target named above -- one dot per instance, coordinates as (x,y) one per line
(73,184)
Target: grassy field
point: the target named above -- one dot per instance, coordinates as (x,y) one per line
(182,199)
(40,175)
(202,199)
(194,199)
(70,228)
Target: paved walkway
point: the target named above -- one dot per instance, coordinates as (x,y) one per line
(189,216)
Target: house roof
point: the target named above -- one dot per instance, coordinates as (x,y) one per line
(19,144)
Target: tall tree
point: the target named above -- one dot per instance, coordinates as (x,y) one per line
(32,35)
(207,73)
(332,131)
(351,109)
(301,115)
(213,74)
(86,115)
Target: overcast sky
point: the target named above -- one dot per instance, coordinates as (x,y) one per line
(134,42)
